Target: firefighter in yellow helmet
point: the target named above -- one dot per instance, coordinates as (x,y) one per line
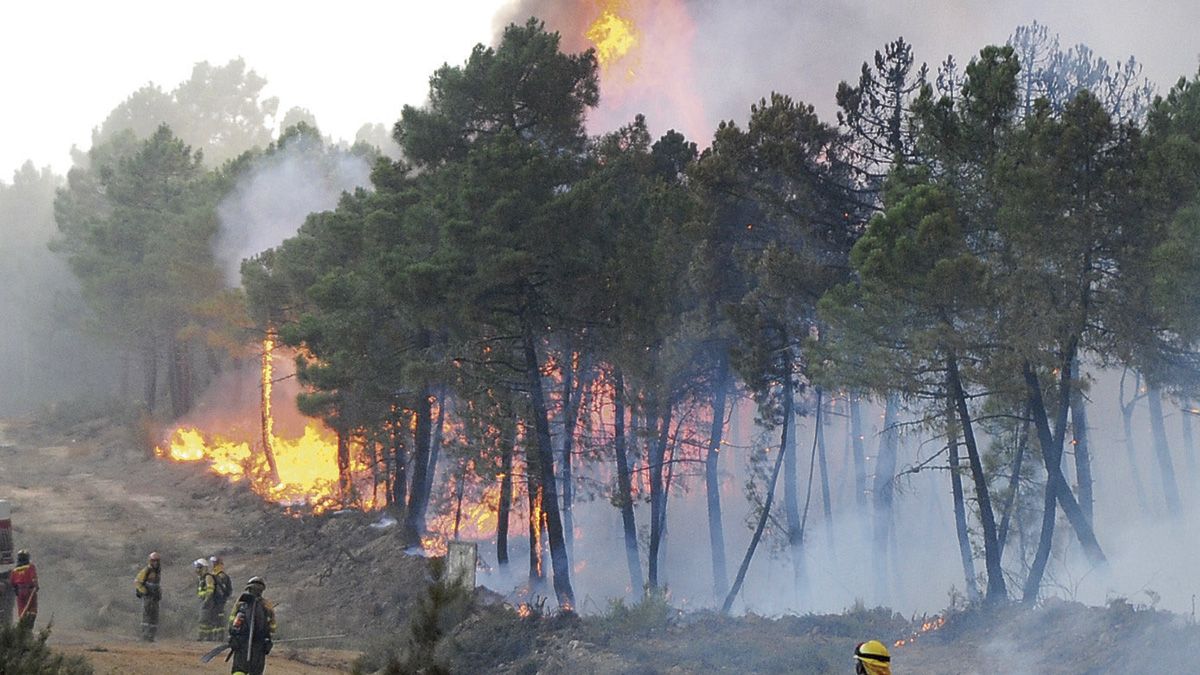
(872,658)
(148,587)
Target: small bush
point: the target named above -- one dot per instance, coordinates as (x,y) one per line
(646,616)
(25,652)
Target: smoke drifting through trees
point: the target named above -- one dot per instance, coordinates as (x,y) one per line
(919,539)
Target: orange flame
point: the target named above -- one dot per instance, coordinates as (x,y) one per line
(612,34)
(295,472)
(926,627)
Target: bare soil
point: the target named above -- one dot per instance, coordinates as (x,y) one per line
(90,507)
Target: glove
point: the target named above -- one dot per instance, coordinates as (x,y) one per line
(139,594)
(267,644)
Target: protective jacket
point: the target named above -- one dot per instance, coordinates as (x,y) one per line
(148,585)
(250,628)
(24,581)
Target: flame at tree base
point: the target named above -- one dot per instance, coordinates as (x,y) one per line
(307,466)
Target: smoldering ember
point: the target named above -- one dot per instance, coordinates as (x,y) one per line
(653,337)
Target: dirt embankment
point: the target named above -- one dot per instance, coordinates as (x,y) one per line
(90,507)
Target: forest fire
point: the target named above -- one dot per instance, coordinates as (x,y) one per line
(300,473)
(613,35)
(929,626)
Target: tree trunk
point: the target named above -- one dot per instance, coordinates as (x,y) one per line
(439,435)
(418,496)
(712,484)
(960,510)
(504,507)
(397,430)
(658,502)
(791,492)
(1135,473)
(1057,489)
(1014,482)
(1162,452)
(545,452)
(1083,457)
(179,377)
(536,518)
(573,386)
(762,521)
(885,469)
(1189,446)
(345,485)
(826,500)
(625,485)
(996,590)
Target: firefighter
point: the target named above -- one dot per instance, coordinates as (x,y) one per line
(148,586)
(25,583)
(872,658)
(205,586)
(222,589)
(250,628)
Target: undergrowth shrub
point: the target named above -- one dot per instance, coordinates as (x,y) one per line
(24,652)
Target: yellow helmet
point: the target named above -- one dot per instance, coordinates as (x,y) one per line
(872,650)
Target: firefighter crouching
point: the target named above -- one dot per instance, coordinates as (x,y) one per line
(250,628)
(148,586)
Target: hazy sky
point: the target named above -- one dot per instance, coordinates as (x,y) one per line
(65,64)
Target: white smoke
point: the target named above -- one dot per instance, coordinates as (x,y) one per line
(270,203)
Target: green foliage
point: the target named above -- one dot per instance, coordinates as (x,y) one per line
(25,652)
(444,607)
(649,615)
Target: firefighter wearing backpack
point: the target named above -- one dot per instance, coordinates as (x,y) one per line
(206,585)
(222,590)
(250,628)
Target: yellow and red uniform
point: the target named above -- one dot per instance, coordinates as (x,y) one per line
(24,581)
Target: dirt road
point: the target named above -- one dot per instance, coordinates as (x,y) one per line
(89,508)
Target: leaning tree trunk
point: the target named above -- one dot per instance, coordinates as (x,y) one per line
(762,520)
(712,485)
(996,590)
(960,510)
(1162,451)
(545,451)
(1057,489)
(625,485)
(1014,482)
